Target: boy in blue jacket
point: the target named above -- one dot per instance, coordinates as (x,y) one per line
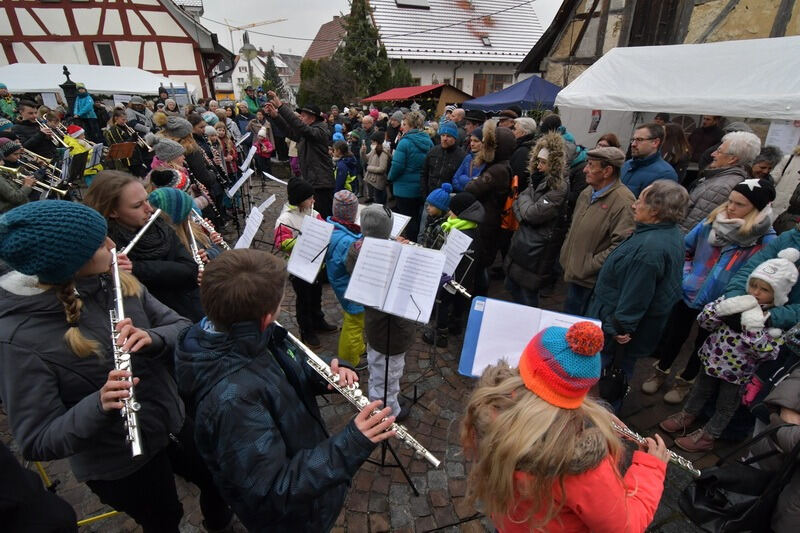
(347,167)
(259,429)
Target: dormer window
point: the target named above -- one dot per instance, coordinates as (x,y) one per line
(419,4)
(485,40)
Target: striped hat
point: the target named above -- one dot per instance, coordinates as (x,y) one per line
(560,365)
(174,202)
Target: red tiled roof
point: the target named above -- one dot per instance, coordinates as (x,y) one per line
(402,93)
(324,44)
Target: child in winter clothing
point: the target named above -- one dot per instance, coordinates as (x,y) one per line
(75,139)
(308,307)
(346,167)
(465,214)
(738,342)
(546,457)
(345,233)
(264,151)
(388,337)
(378,161)
(292,475)
(437,205)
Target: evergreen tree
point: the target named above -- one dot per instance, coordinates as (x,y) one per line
(272,80)
(401,74)
(362,54)
(308,75)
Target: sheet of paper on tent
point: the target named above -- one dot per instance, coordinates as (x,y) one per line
(236,186)
(308,252)
(249,158)
(454,247)
(251,228)
(499,330)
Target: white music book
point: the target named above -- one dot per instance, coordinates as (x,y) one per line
(236,186)
(251,228)
(454,247)
(399,279)
(249,158)
(399,221)
(308,252)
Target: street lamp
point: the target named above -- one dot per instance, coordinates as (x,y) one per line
(249,52)
(70,91)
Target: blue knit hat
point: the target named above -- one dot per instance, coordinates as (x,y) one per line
(50,239)
(210,118)
(440,198)
(174,202)
(449,128)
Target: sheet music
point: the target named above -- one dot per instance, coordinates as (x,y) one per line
(236,186)
(243,138)
(266,203)
(454,247)
(248,159)
(250,229)
(273,178)
(373,271)
(97,155)
(399,223)
(413,289)
(308,252)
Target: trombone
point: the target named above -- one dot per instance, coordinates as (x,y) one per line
(56,140)
(141,142)
(40,161)
(18,177)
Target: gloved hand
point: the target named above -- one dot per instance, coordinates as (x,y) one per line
(735,305)
(445,279)
(754,318)
(751,390)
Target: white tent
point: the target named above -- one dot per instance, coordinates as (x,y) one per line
(756,78)
(42,77)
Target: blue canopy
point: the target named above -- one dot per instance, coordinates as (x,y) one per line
(530,93)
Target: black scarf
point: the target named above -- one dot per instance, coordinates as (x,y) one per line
(154,244)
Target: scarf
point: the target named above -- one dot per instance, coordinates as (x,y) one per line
(154,244)
(725,231)
(458,223)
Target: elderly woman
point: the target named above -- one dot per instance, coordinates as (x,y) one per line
(727,169)
(524,129)
(406,169)
(641,280)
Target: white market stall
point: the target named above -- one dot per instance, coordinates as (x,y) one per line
(756,78)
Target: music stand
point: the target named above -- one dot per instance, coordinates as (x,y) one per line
(121,150)
(76,167)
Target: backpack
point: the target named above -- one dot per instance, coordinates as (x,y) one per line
(507,219)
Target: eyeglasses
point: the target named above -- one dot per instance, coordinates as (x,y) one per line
(638,140)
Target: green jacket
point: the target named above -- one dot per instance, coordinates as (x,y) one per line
(639,284)
(8,108)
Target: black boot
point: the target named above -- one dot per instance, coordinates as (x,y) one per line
(310,339)
(438,334)
(323,326)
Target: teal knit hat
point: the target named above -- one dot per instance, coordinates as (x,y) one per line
(51,239)
(174,202)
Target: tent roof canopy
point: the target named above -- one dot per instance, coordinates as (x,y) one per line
(46,77)
(530,93)
(417,91)
(754,78)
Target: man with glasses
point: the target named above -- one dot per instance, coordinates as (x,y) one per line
(646,164)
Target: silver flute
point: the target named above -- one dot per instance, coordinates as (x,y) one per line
(122,361)
(195,249)
(357,398)
(209,228)
(141,232)
(683,462)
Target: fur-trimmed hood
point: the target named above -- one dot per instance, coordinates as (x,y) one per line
(498,144)
(556,157)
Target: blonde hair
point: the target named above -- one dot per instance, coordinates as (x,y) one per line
(203,240)
(71,300)
(507,429)
(750,218)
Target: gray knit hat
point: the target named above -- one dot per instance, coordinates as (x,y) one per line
(398,116)
(376,221)
(136,100)
(178,127)
(165,149)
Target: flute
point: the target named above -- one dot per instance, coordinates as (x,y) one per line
(138,236)
(673,457)
(195,249)
(357,398)
(209,228)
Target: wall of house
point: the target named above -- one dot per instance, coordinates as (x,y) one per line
(430,72)
(141,33)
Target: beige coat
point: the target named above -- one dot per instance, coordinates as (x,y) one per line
(596,230)
(786,178)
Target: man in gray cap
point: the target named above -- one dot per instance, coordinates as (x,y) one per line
(602,219)
(136,116)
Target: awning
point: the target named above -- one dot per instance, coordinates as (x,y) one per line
(402,93)
(530,93)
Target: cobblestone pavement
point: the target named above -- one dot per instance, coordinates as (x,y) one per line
(380,498)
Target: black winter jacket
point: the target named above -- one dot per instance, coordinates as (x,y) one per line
(316,165)
(259,429)
(519,160)
(439,167)
(33,139)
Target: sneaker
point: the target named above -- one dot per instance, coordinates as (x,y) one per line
(311,340)
(656,379)
(439,335)
(324,326)
(680,389)
(677,422)
(696,441)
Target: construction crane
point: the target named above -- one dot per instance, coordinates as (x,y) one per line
(232,28)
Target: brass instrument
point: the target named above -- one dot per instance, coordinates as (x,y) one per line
(137,138)
(34,159)
(122,361)
(141,232)
(54,138)
(673,457)
(18,177)
(209,228)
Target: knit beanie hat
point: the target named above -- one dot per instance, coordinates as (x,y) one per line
(758,192)
(3,86)
(210,118)
(780,273)
(449,128)
(210,130)
(374,113)
(10,147)
(299,190)
(166,149)
(178,127)
(52,239)
(560,365)
(338,136)
(75,131)
(477,133)
(169,177)
(376,221)
(262,132)
(5,124)
(398,116)
(345,206)
(174,202)
(461,201)
(440,198)
(378,137)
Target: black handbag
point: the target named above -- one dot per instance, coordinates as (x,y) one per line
(737,496)
(613,384)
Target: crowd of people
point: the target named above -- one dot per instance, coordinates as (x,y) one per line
(680,230)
